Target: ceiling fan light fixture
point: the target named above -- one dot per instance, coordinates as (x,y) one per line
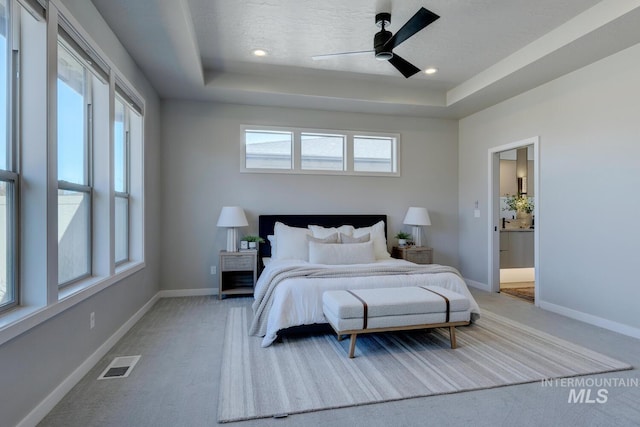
(259,52)
(431,70)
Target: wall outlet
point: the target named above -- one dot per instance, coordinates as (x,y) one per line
(92,320)
(213,270)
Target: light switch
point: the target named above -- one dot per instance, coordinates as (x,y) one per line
(476,213)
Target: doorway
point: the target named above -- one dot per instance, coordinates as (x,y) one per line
(514,219)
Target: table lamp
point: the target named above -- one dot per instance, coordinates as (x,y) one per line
(232,217)
(417,217)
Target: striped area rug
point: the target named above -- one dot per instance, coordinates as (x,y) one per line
(310,373)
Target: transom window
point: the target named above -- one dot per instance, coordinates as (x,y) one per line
(268,149)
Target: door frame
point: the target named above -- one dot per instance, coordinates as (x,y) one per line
(493,204)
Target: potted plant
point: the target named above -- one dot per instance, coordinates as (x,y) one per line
(253,241)
(523,207)
(402,238)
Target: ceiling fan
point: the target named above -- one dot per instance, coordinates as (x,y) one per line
(384,41)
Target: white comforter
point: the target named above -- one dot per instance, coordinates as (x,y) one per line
(298,301)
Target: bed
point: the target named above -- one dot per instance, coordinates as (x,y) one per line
(306,255)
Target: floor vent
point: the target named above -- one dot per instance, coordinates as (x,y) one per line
(120,367)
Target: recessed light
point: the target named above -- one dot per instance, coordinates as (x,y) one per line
(259,52)
(431,70)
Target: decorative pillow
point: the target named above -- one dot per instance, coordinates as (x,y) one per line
(338,254)
(322,232)
(291,242)
(350,239)
(332,238)
(376,232)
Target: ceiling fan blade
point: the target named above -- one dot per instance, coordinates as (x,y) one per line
(421,19)
(405,67)
(331,55)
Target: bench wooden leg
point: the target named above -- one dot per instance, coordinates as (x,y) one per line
(452,336)
(352,345)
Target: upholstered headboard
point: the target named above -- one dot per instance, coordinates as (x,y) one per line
(266,224)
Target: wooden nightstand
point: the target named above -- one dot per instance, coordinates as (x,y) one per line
(238,273)
(417,254)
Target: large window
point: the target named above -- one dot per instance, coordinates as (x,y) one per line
(74,189)
(121,180)
(8,177)
(71,174)
(311,151)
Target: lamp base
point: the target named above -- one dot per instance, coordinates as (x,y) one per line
(417,235)
(232,240)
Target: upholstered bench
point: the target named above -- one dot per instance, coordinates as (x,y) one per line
(362,311)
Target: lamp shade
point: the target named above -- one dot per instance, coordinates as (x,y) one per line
(417,216)
(232,216)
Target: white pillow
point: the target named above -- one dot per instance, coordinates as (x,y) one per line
(291,242)
(376,232)
(337,254)
(322,232)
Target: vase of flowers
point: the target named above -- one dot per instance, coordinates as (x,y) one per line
(523,207)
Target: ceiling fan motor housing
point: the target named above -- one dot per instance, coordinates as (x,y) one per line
(379,40)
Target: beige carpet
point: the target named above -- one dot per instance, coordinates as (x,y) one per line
(310,373)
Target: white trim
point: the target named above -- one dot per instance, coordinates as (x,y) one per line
(45,406)
(172,293)
(493,218)
(477,285)
(620,328)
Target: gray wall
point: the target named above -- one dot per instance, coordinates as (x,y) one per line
(589,128)
(36,362)
(201,173)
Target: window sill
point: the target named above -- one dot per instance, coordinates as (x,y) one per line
(23,318)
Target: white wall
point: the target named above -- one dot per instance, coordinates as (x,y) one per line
(589,128)
(201,173)
(36,362)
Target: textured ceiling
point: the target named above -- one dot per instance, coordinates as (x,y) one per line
(468,38)
(485,50)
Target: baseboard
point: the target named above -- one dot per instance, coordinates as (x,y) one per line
(620,328)
(43,408)
(478,285)
(172,293)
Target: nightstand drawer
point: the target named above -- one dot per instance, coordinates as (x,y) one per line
(415,254)
(419,257)
(238,263)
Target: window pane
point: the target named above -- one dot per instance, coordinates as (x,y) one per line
(372,154)
(119,148)
(5,108)
(268,150)
(7,284)
(73,235)
(322,152)
(122,229)
(72,150)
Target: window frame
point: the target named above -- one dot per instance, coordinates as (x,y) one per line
(126,130)
(296,151)
(39,298)
(87,187)
(10,175)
